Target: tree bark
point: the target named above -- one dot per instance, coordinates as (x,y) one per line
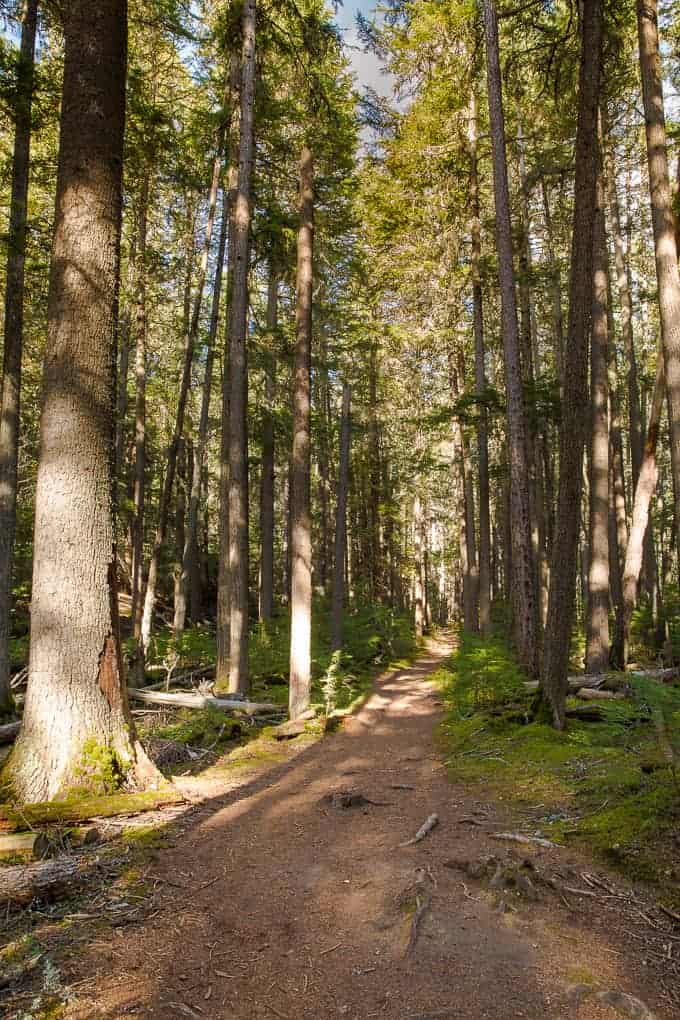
(338,602)
(523,584)
(597,620)
(663,227)
(418,594)
(480,383)
(10,385)
(139,487)
(301,537)
(76,702)
(238,368)
(268,462)
(572,433)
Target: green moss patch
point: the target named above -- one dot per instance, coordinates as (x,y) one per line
(591,784)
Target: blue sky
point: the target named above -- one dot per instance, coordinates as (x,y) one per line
(365,66)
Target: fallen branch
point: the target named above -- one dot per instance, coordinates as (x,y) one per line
(421,907)
(592,694)
(16,819)
(518,837)
(428,825)
(186,700)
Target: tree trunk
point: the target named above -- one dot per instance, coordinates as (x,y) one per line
(649,474)
(139,488)
(76,704)
(10,386)
(663,226)
(480,384)
(523,584)
(376,571)
(238,369)
(418,594)
(572,432)
(180,589)
(193,318)
(267,481)
(301,537)
(337,608)
(555,288)
(597,621)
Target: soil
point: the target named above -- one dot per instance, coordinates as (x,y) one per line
(291,897)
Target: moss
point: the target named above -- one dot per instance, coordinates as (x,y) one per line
(78,809)
(200,727)
(146,837)
(101,770)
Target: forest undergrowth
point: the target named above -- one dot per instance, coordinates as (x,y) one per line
(609,784)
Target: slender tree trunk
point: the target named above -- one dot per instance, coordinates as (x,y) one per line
(338,602)
(180,589)
(649,474)
(267,483)
(524,580)
(663,226)
(572,433)
(10,385)
(480,384)
(76,700)
(238,369)
(122,403)
(418,593)
(301,535)
(597,620)
(376,571)
(139,487)
(555,288)
(193,318)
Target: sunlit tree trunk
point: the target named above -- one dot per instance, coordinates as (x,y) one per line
(10,385)
(663,226)
(301,534)
(597,617)
(418,594)
(338,603)
(76,699)
(267,481)
(523,585)
(572,432)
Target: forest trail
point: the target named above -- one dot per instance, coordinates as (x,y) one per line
(284,906)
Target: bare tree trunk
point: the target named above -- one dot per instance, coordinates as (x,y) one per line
(301,535)
(180,589)
(267,482)
(76,702)
(338,602)
(10,386)
(191,335)
(376,571)
(418,594)
(238,369)
(480,384)
(597,619)
(523,585)
(556,289)
(649,474)
(139,489)
(663,227)
(572,433)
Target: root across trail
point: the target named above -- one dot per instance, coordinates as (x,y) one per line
(275,901)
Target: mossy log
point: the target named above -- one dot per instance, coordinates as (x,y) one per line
(15,819)
(181,699)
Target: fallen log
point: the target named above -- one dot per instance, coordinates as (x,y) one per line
(595,681)
(180,699)
(29,816)
(23,883)
(590,694)
(9,732)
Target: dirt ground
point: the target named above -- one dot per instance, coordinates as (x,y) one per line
(284,904)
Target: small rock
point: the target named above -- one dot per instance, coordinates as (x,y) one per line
(628,1005)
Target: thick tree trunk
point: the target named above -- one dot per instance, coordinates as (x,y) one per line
(76,704)
(338,602)
(523,585)
(597,619)
(267,480)
(238,368)
(649,474)
(10,386)
(572,432)
(480,384)
(301,535)
(663,226)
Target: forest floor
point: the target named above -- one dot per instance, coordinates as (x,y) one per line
(275,899)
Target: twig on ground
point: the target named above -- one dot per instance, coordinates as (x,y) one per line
(428,825)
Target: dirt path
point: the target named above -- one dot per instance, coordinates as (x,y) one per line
(290,906)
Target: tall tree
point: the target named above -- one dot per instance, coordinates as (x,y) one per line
(301,525)
(10,387)
(524,580)
(76,703)
(268,459)
(340,553)
(572,433)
